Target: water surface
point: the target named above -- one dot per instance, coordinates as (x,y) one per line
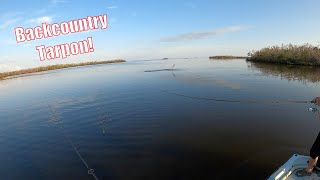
(153,120)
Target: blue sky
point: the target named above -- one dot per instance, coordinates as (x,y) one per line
(155,29)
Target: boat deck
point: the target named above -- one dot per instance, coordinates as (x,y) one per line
(289,169)
(314,176)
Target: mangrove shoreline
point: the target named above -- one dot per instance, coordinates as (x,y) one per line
(307,55)
(227,57)
(5,75)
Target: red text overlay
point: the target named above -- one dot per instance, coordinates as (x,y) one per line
(63,28)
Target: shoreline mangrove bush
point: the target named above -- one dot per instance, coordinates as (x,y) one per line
(306,54)
(54,67)
(227,57)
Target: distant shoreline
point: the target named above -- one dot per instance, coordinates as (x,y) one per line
(228,57)
(54,67)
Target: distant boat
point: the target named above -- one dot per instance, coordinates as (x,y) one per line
(165,58)
(289,169)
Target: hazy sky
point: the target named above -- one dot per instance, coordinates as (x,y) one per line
(146,29)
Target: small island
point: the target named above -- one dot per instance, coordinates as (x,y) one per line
(54,67)
(307,54)
(227,57)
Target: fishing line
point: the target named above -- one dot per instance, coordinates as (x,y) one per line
(56,120)
(235,101)
(224,100)
(232,100)
(90,170)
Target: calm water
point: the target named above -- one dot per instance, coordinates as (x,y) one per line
(136,120)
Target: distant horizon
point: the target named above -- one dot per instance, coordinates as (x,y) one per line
(153,29)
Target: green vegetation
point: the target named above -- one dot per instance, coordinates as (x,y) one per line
(306,54)
(227,57)
(54,67)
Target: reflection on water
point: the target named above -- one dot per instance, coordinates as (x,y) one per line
(202,79)
(304,74)
(103,119)
(54,117)
(126,125)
